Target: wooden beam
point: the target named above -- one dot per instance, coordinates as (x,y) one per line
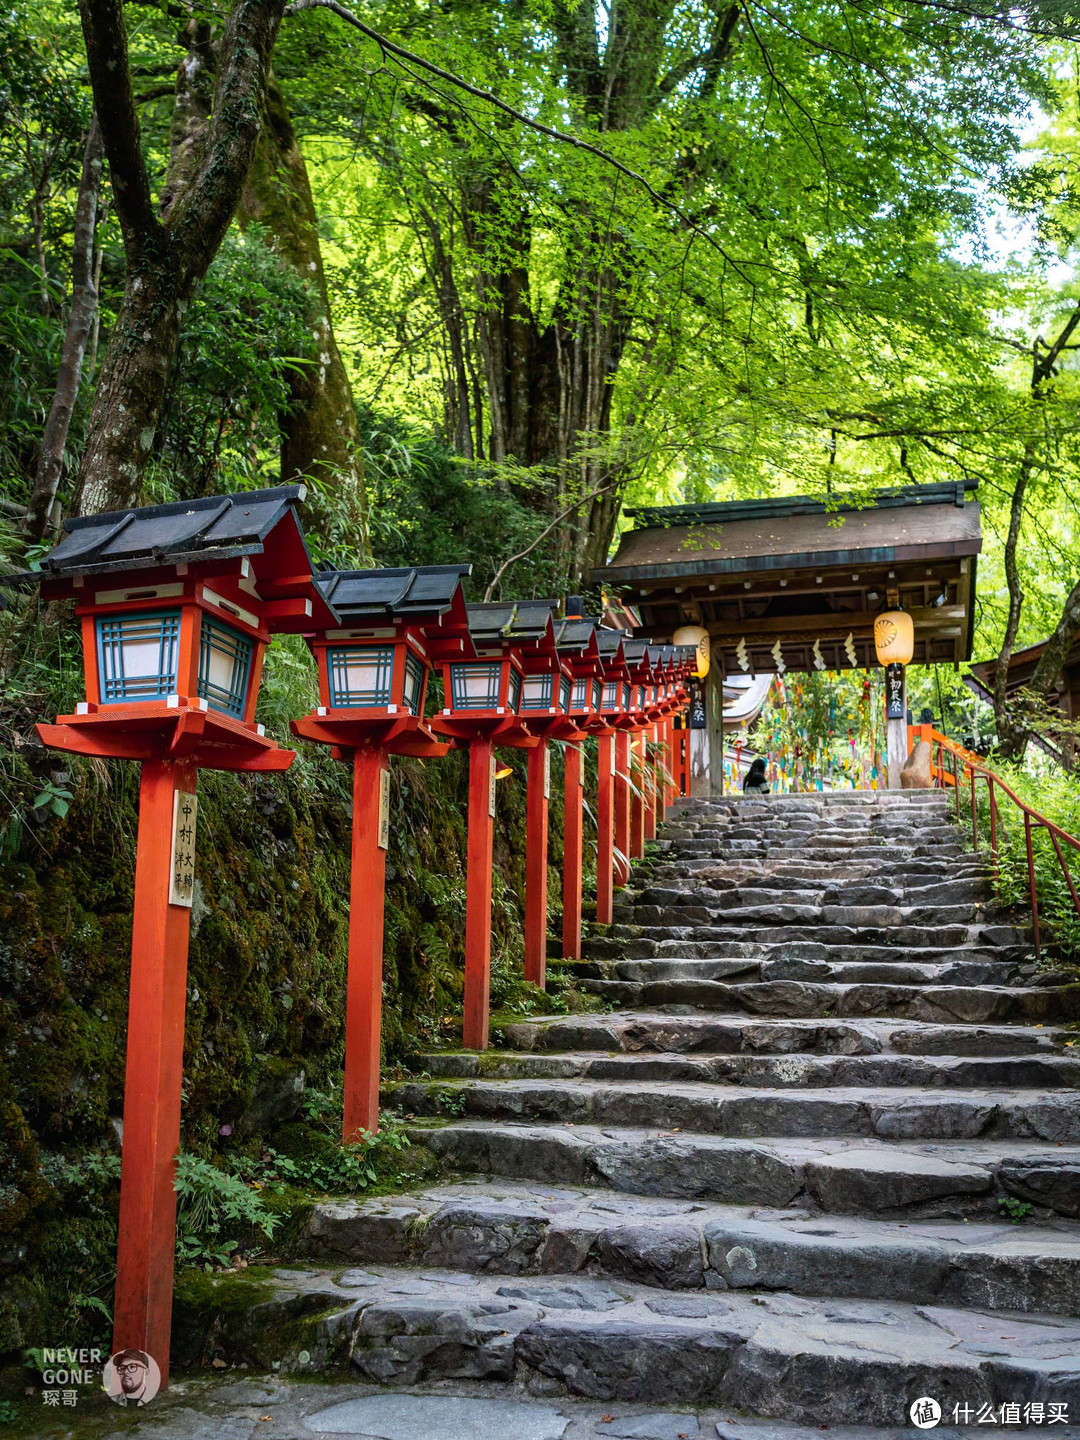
(830,625)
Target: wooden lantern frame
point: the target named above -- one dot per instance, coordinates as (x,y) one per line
(403,614)
(519,637)
(238,562)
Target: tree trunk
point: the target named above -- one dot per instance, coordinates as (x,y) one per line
(80,321)
(166,257)
(1012,739)
(131,388)
(320,434)
(1013,726)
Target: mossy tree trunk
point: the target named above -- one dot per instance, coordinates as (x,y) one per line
(320,436)
(166,255)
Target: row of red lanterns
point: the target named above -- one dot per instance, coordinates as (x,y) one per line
(177,604)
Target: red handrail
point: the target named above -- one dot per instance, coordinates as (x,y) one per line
(975,767)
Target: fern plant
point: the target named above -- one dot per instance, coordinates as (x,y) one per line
(211,1201)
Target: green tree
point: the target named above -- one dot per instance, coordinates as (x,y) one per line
(742,224)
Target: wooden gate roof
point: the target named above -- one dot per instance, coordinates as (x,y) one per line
(796,570)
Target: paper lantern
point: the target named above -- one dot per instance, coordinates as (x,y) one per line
(698,637)
(894,637)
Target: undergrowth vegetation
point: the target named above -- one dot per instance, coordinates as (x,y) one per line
(1055,794)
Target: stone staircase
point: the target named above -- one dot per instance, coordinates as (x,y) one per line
(781,1175)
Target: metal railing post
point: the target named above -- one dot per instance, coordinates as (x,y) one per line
(1031,881)
(974,814)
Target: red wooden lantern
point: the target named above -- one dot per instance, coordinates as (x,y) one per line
(483,690)
(577,641)
(177,604)
(373,663)
(613,766)
(637,722)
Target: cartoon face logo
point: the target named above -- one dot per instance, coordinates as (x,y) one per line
(131,1378)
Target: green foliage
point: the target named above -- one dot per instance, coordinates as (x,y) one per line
(1014,1210)
(55,797)
(240,338)
(211,1202)
(43,118)
(428,507)
(1055,794)
(822,729)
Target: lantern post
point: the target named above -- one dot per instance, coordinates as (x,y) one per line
(662,733)
(577,640)
(548,709)
(373,662)
(640,666)
(482,695)
(682,671)
(177,603)
(624,720)
(602,725)
(894,642)
(656,711)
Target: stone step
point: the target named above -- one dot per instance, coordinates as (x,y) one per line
(809,1360)
(867,1177)
(745,910)
(684,1245)
(882,851)
(793,907)
(740,1111)
(733,1035)
(974,1005)
(959,971)
(783,1072)
(721,894)
(868,954)
(647,940)
(786,873)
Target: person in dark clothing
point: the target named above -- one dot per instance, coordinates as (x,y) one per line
(755,782)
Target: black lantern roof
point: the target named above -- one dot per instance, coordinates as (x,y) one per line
(519,621)
(407,593)
(609,641)
(575,634)
(215,527)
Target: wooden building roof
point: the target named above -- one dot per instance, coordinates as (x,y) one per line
(1064,694)
(796,570)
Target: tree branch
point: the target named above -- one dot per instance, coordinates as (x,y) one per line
(110,79)
(401,55)
(203,209)
(559,518)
